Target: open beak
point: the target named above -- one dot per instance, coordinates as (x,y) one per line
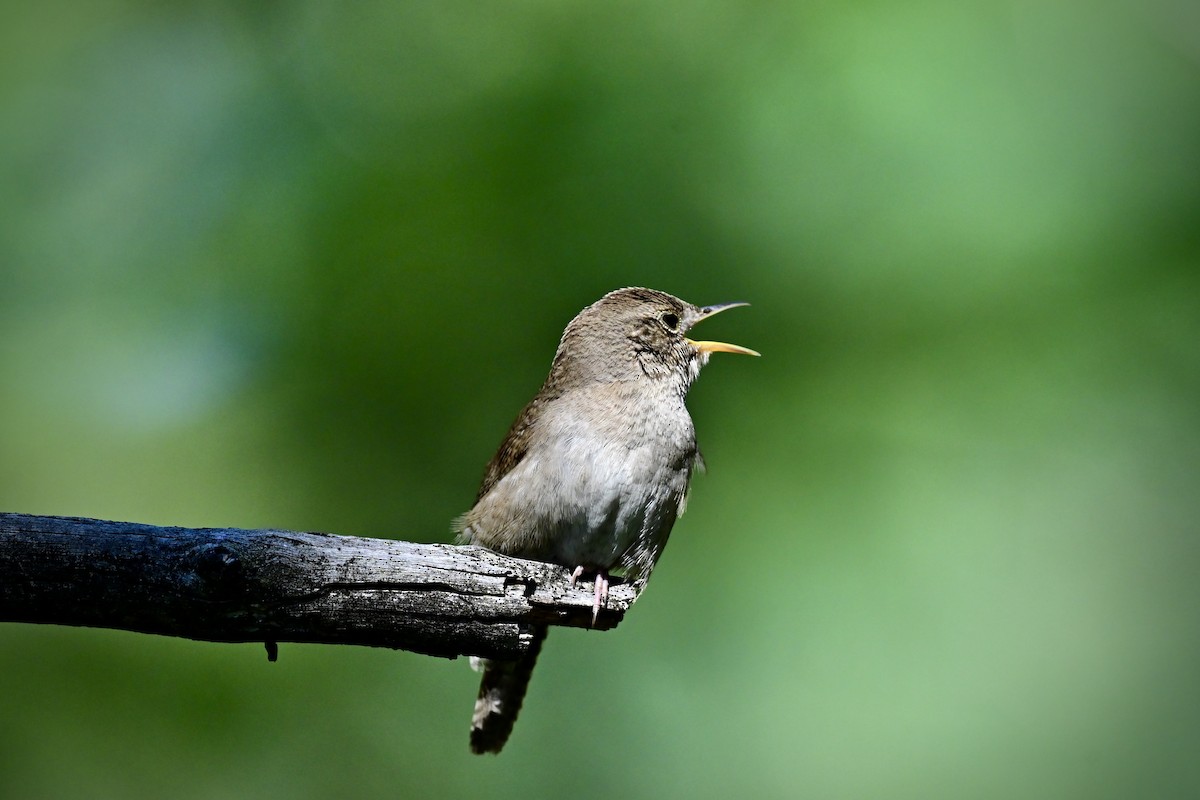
(719,347)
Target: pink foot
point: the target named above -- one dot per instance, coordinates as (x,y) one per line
(600,598)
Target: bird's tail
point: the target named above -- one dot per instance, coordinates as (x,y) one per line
(501,693)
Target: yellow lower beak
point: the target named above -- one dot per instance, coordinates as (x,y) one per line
(722,347)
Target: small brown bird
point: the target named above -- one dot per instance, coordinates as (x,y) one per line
(596,468)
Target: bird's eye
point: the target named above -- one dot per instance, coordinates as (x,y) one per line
(671,321)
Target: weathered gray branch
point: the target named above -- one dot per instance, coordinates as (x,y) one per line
(233,585)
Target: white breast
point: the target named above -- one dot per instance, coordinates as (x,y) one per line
(598,492)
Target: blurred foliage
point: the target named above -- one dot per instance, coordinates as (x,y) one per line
(298,265)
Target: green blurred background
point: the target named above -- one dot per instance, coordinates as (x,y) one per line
(298,265)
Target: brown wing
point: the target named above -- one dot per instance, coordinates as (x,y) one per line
(515,445)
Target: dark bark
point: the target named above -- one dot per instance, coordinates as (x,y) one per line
(234,585)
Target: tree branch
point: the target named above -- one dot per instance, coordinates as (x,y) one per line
(233,585)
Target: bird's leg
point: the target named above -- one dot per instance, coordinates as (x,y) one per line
(600,597)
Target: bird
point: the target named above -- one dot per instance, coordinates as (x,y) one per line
(596,467)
